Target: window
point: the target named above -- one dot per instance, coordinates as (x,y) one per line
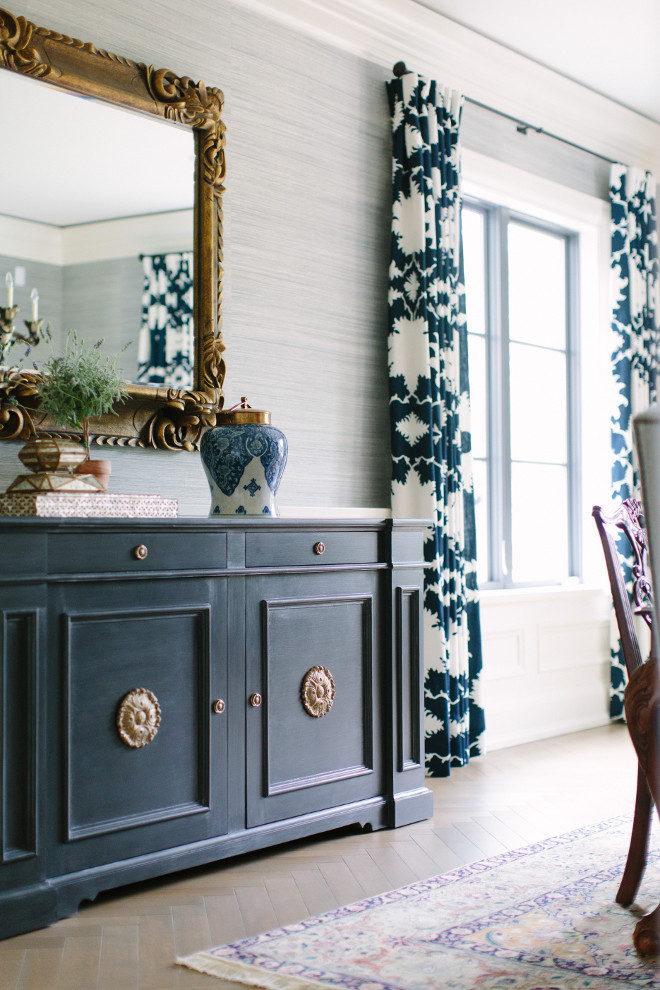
(521,299)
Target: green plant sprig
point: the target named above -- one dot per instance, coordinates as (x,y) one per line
(80,384)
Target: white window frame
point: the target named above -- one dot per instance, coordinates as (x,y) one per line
(521,192)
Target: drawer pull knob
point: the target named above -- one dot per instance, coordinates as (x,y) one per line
(138,718)
(140,552)
(255,700)
(319,548)
(218,707)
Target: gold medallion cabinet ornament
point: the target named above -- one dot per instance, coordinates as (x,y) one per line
(149,416)
(138,718)
(318,691)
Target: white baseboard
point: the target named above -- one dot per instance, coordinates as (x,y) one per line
(505,741)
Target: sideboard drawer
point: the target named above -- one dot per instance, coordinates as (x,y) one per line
(295,548)
(136,551)
(22,554)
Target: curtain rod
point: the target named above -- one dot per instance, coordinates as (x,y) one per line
(400,69)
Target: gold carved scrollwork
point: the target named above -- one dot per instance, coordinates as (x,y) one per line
(180,422)
(138,718)
(318,691)
(17,51)
(198,106)
(18,390)
(214,367)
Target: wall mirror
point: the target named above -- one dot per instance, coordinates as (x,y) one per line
(123,162)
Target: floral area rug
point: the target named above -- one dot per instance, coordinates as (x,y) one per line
(539,918)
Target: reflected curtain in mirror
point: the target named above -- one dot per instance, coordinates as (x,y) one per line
(430,411)
(635,311)
(167,339)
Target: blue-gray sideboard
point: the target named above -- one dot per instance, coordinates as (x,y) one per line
(177,691)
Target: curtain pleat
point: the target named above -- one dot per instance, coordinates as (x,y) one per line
(430,409)
(166,353)
(635,308)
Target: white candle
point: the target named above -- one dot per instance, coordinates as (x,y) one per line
(9,282)
(34,296)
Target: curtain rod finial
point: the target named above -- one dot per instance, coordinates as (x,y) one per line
(400,69)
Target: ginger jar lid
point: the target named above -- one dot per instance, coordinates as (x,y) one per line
(242,413)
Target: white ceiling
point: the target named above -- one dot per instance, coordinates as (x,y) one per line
(612,47)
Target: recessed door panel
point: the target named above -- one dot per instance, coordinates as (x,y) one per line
(18,670)
(314,661)
(138,739)
(143,749)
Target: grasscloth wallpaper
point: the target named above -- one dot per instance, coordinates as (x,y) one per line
(307,220)
(306,241)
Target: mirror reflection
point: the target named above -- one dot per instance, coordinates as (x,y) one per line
(96,213)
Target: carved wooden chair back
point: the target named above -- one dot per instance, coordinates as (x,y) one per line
(625,526)
(627,520)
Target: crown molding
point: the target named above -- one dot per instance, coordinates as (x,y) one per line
(106,240)
(387,31)
(109,240)
(27,240)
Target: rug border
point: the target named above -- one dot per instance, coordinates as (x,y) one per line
(245,974)
(208,962)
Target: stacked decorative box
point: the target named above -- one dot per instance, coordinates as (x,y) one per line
(96,505)
(54,489)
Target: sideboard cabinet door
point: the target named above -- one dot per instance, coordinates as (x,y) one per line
(314,671)
(143,759)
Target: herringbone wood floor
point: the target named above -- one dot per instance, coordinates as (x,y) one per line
(127,939)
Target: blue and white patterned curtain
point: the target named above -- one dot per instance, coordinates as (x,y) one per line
(429,407)
(166,352)
(635,309)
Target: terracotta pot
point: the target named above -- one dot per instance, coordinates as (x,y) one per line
(100,469)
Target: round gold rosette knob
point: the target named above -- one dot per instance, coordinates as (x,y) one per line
(318,692)
(138,718)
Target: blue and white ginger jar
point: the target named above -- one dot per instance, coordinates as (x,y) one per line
(244,458)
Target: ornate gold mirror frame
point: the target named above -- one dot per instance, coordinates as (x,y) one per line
(151,416)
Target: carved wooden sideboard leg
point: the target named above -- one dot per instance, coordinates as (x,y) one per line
(639,841)
(642,708)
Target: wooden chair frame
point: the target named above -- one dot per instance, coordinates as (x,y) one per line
(641,698)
